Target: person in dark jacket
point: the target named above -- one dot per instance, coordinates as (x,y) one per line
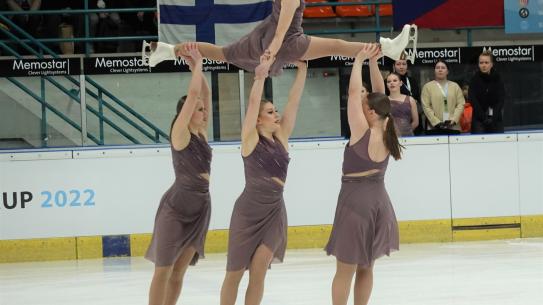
(486,94)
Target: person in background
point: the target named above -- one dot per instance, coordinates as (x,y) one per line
(487,95)
(410,86)
(465,119)
(403,107)
(442,101)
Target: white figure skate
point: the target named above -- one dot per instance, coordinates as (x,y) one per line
(395,48)
(153,54)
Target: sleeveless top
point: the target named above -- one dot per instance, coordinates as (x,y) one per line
(401,113)
(356,158)
(268,159)
(190,162)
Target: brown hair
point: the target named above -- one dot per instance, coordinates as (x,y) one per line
(394,73)
(488,54)
(178,108)
(443,62)
(262,104)
(380,103)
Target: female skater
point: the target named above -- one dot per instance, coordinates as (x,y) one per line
(403,107)
(365,226)
(279,40)
(258,227)
(182,219)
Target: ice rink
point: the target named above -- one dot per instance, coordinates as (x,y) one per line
(478,273)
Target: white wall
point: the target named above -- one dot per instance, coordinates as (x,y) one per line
(471,177)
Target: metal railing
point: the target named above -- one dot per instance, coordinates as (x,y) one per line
(155,136)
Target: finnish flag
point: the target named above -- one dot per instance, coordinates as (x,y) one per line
(215,21)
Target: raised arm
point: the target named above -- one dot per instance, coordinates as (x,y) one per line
(249,133)
(291,109)
(180,134)
(288,8)
(377,82)
(205,94)
(355,114)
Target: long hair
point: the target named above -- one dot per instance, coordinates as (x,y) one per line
(179,106)
(381,105)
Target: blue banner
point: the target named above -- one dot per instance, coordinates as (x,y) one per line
(523,16)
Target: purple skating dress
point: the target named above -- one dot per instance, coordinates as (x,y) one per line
(182,219)
(245,53)
(259,215)
(365,226)
(401,113)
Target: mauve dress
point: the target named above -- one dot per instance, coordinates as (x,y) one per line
(259,215)
(182,219)
(401,113)
(245,53)
(365,226)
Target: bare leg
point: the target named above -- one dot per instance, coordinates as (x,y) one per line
(341,286)
(175,282)
(363,285)
(322,47)
(208,50)
(257,273)
(230,285)
(157,292)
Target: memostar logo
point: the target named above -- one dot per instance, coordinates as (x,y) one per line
(428,56)
(44,67)
(121,65)
(511,54)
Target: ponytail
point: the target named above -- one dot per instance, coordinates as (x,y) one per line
(391,139)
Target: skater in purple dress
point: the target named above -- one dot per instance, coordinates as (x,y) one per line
(280,40)
(182,218)
(365,226)
(258,227)
(404,107)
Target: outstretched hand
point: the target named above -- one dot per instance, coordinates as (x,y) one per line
(193,57)
(368,51)
(379,53)
(266,61)
(262,70)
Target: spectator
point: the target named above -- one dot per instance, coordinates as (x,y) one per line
(465,119)
(410,87)
(105,24)
(486,94)
(29,23)
(137,24)
(64,25)
(403,107)
(443,102)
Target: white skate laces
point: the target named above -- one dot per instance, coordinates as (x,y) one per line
(162,52)
(395,48)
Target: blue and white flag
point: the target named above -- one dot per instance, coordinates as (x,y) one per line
(216,21)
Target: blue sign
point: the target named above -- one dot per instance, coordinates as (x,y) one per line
(523,16)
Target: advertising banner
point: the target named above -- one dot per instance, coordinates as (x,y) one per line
(40,67)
